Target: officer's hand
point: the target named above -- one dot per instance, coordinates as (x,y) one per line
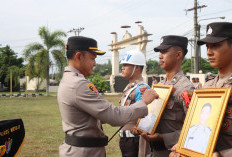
(154,137)
(216,154)
(134,131)
(174,153)
(149,95)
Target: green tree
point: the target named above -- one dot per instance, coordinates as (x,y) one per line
(103,69)
(205,66)
(38,55)
(99,82)
(9,60)
(153,67)
(186,65)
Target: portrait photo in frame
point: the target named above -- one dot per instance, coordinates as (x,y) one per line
(203,122)
(149,123)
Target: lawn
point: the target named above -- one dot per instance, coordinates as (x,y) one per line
(42,123)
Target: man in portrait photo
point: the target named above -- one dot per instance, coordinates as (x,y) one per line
(198,135)
(147,123)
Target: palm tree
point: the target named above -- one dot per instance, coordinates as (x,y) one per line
(38,55)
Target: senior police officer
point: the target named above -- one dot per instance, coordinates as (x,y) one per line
(172,51)
(218,41)
(83,109)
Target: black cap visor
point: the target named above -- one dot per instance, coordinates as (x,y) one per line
(162,47)
(211,40)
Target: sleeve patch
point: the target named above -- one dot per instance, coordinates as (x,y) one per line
(92,88)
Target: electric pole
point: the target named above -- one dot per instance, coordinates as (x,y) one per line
(76,31)
(196,36)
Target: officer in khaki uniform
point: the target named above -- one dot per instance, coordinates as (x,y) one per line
(172,51)
(219,44)
(83,109)
(133,63)
(218,41)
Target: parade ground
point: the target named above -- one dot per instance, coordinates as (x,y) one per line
(42,122)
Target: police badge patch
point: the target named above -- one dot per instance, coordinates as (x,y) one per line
(92,88)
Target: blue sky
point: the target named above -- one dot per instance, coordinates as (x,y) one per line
(20,20)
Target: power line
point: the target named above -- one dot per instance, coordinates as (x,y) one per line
(76,31)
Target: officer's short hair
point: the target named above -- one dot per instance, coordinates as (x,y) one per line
(229,41)
(71,53)
(178,48)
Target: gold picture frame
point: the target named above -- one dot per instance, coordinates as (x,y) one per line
(149,123)
(203,122)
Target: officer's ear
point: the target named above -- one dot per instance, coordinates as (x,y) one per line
(78,56)
(179,54)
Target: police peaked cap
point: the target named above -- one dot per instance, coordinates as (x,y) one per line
(81,43)
(217,32)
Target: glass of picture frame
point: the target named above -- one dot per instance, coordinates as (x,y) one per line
(203,122)
(149,123)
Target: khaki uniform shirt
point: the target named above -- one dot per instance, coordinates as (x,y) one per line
(225,134)
(172,119)
(83,109)
(131,98)
(144,147)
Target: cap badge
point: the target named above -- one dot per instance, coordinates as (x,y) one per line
(210,30)
(161,40)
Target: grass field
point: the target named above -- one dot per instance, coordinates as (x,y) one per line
(42,123)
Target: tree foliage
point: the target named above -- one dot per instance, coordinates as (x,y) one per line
(103,69)
(153,67)
(187,66)
(41,56)
(99,82)
(9,60)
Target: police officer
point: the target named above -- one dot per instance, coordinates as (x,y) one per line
(219,51)
(133,63)
(83,109)
(218,41)
(172,51)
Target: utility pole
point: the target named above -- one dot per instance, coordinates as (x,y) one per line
(195,36)
(76,31)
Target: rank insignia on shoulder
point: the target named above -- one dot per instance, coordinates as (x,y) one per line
(92,88)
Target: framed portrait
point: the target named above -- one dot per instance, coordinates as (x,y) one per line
(155,109)
(203,122)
